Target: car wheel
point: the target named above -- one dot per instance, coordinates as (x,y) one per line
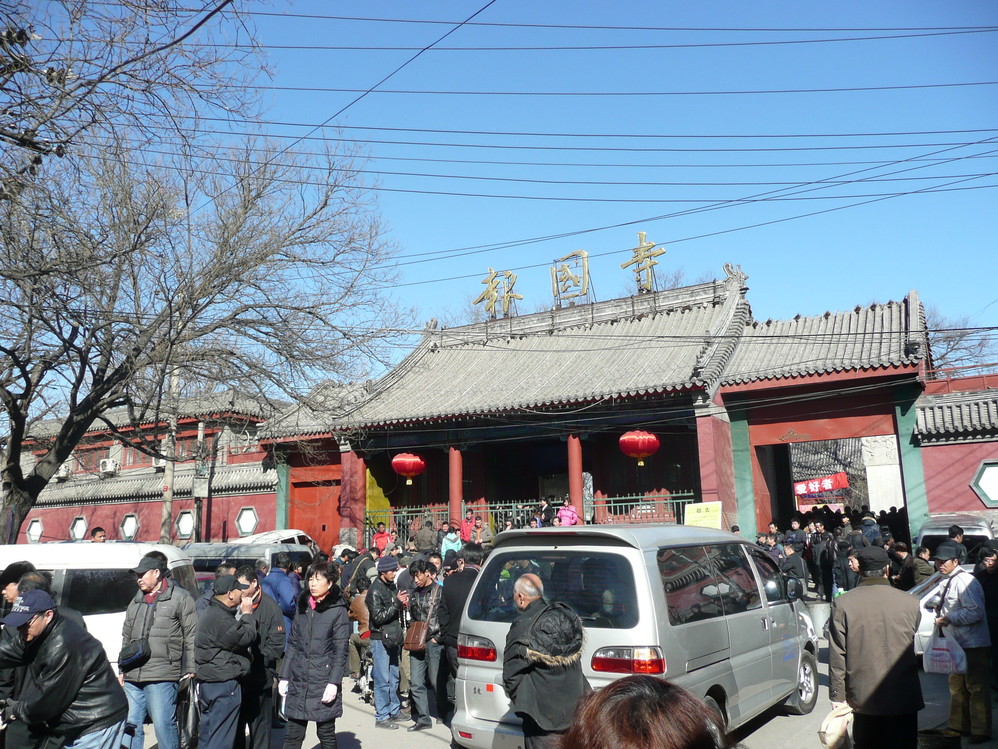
(715,708)
(805,695)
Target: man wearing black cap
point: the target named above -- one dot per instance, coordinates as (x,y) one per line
(961,613)
(223,657)
(163,615)
(74,697)
(385,606)
(871,658)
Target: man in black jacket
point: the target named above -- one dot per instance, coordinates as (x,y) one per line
(74,695)
(385,605)
(222,653)
(542,664)
(265,650)
(457,588)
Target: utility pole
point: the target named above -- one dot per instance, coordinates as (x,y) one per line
(166,521)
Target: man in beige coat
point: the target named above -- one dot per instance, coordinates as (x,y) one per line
(871,657)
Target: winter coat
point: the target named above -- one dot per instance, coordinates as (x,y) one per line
(174,623)
(424,606)
(871,658)
(963,604)
(223,643)
(425,539)
(457,588)
(277,584)
(923,570)
(384,611)
(569,515)
(797,539)
(73,690)
(451,541)
(870,530)
(316,656)
(542,664)
(268,647)
(358,613)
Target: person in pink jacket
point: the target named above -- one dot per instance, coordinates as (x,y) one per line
(568,514)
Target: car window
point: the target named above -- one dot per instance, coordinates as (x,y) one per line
(772,578)
(98,591)
(692,591)
(972,541)
(185,578)
(598,586)
(737,586)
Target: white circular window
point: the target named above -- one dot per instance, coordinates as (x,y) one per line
(129,527)
(34,531)
(78,529)
(246,521)
(185,524)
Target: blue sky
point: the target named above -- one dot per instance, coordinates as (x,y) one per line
(714,154)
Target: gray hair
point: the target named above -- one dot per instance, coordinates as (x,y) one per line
(527,588)
(262,564)
(874,573)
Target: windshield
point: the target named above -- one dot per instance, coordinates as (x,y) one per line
(598,586)
(973,543)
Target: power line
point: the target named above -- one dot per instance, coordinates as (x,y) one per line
(617,94)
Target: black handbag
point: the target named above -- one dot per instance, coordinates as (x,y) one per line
(188,715)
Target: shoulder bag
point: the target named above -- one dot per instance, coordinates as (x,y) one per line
(137,652)
(415,636)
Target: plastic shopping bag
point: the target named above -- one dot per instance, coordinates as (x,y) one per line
(835,728)
(188,715)
(943,655)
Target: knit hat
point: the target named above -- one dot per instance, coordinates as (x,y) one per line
(387,564)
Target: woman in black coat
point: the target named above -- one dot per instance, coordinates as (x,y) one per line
(316,659)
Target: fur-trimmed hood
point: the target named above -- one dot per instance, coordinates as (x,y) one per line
(556,636)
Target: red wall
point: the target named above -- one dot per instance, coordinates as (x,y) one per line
(223,512)
(717,468)
(949,469)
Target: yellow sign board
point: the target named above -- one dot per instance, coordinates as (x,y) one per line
(703,515)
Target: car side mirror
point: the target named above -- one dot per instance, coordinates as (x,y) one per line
(794,589)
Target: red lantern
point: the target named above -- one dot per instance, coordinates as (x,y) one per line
(638,444)
(408,465)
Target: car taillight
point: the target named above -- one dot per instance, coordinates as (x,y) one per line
(475,648)
(629,661)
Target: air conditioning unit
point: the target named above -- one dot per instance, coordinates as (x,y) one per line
(64,472)
(108,467)
(159,464)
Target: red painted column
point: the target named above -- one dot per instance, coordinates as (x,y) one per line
(575,472)
(456,484)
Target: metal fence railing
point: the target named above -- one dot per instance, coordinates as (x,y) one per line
(641,508)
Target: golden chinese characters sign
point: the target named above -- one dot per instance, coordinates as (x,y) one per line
(570,276)
(498,292)
(643,260)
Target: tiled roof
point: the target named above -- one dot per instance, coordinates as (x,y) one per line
(957,416)
(646,344)
(230,401)
(880,335)
(146,483)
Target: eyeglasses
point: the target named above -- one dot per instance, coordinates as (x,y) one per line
(24,627)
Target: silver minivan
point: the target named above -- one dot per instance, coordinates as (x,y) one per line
(702,608)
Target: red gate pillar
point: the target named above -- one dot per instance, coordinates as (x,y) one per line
(456,484)
(575,472)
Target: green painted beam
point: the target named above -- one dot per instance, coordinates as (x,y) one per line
(912,472)
(741,454)
(283,494)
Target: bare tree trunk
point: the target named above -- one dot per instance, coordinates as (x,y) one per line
(17,503)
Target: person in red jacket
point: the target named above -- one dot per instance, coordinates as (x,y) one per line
(382,538)
(467,526)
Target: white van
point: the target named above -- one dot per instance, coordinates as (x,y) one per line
(95,580)
(702,608)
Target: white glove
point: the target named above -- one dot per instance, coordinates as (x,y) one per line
(329,695)
(282,687)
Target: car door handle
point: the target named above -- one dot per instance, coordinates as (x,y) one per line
(765,622)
